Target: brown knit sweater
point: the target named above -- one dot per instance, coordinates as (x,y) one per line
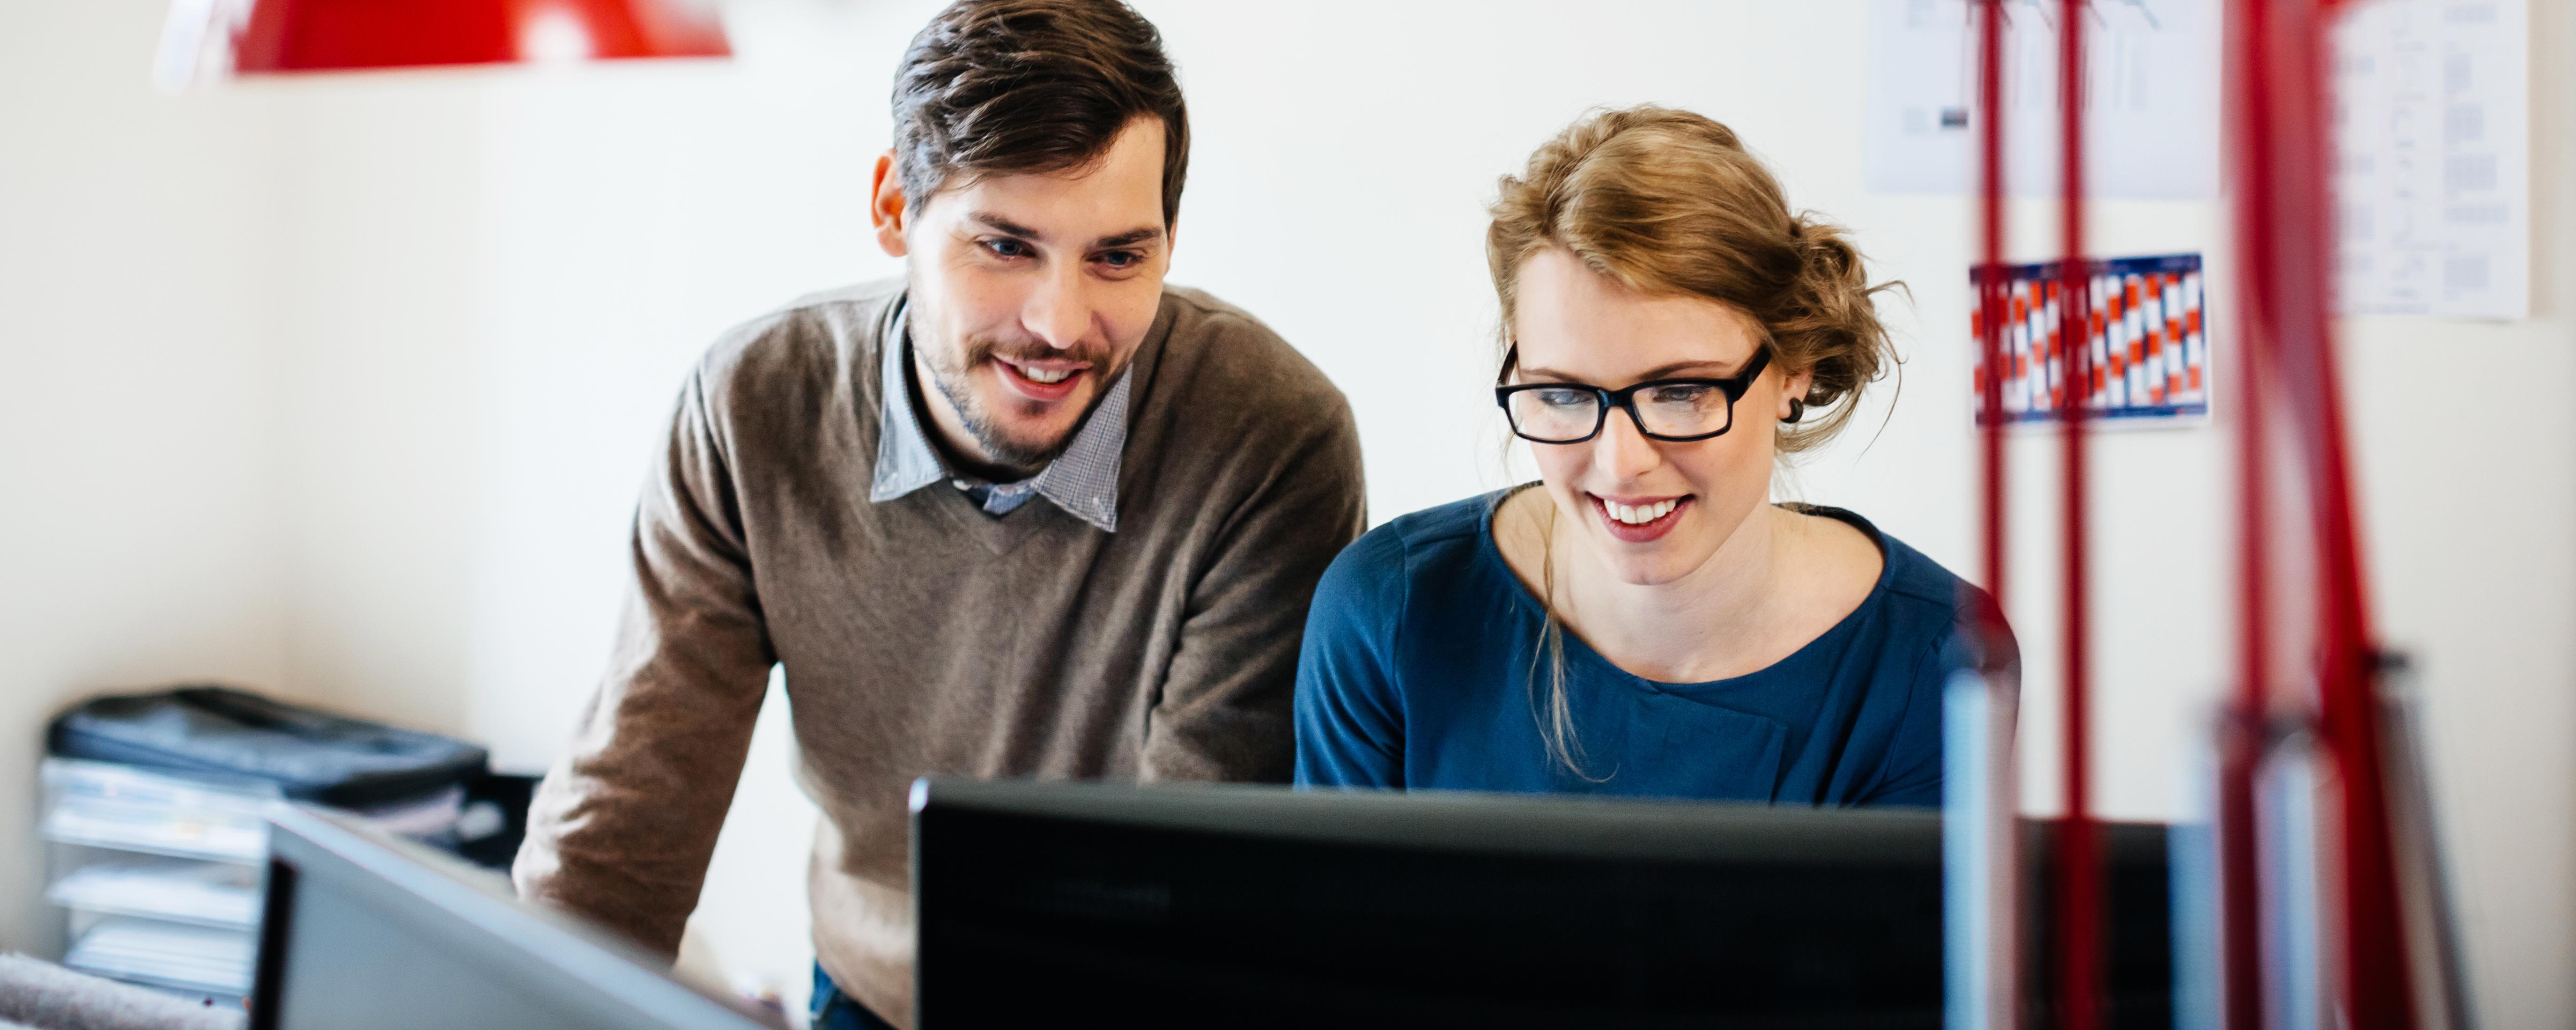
(921,635)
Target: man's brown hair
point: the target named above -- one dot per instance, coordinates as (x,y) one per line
(999,87)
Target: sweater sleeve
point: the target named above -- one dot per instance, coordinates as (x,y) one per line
(1224,709)
(1350,730)
(623,826)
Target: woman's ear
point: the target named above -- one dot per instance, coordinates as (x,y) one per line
(1793,395)
(886,208)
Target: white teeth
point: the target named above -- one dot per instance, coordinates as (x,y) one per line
(1638,515)
(1040,375)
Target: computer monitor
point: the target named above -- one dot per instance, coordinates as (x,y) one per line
(1246,907)
(363,930)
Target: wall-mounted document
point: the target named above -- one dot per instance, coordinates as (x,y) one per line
(2433,176)
(2145,352)
(2151,98)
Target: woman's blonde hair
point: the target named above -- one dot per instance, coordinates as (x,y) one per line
(1669,202)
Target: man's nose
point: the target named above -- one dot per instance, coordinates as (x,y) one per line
(1059,313)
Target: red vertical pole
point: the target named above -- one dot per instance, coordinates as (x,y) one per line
(2079,869)
(1991,285)
(2241,740)
(2283,147)
(2375,986)
(1986,621)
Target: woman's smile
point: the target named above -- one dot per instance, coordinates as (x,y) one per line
(1639,520)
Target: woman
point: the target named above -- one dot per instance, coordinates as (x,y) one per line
(1642,620)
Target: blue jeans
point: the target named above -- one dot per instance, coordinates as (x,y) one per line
(833,1010)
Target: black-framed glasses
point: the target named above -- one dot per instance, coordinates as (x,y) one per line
(1675,410)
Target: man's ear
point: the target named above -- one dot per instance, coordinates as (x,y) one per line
(886,210)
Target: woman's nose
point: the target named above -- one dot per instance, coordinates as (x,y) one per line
(1622,449)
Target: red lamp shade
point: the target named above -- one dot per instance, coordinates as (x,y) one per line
(327,35)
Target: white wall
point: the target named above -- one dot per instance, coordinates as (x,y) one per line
(484,288)
(2468,490)
(140,523)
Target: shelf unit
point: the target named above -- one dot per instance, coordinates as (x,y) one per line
(162,873)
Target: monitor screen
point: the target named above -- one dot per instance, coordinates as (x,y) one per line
(363,930)
(1268,907)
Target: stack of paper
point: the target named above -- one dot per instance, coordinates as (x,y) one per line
(98,804)
(187,957)
(188,892)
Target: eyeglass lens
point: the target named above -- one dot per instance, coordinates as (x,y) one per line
(1570,414)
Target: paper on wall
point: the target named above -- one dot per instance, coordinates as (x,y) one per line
(2152,99)
(2433,165)
(2145,352)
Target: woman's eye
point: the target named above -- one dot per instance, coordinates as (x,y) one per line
(1564,398)
(1007,248)
(1677,395)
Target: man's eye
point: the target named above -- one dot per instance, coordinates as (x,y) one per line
(1007,248)
(1122,259)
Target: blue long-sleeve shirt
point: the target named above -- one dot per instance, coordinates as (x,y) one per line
(1423,669)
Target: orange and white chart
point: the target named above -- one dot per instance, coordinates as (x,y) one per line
(2146,341)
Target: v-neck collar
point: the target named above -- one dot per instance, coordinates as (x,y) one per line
(957,512)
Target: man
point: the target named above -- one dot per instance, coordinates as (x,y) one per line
(1026,512)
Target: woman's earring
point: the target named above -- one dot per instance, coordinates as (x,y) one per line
(1797,410)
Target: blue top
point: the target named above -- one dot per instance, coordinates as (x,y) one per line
(1418,673)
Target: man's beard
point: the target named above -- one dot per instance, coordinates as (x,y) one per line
(949,377)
